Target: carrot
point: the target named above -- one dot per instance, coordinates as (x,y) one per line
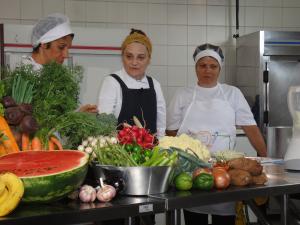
(25,142)
(51,145)
(56,142)
(2,150)
(36,144)
(9,142)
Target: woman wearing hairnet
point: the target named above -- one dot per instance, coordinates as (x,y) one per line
(51,39)
(130,92)
(210,112)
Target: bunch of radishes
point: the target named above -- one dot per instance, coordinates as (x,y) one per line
(104,193)
(136,135)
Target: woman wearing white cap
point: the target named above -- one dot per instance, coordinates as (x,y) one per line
(211,111)
(51,39)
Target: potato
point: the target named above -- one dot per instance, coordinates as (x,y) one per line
(240,177)
(250,165)
(260,179)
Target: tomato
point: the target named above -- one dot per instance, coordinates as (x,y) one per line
(221,178)
(198,171)
(183,181)
(203,181)
(221,165)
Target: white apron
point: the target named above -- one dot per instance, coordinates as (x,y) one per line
(212,121)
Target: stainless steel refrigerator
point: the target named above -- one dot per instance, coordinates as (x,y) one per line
(269,63)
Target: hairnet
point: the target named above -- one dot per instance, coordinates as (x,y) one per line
(137,36)
(208,50)
(50,28)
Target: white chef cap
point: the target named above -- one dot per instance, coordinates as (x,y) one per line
(50,28)
(209,50)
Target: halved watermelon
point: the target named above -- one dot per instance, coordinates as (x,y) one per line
(47,175)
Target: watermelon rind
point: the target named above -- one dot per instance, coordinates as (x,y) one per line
(54,186)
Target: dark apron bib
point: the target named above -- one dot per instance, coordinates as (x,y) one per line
(140,103)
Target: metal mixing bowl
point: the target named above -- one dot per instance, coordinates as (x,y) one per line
(135,180)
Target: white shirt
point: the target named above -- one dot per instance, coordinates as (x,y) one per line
(182,99)
(110,97)
(28,60)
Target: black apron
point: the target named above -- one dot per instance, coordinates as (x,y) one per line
(140,103)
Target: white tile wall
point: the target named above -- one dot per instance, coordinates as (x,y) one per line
(160,73)
(272,17)
(96,12)
(192,77)
(116,12)
(158,34)
(291,3)
(53,6)
(196,15)
(273,3)
(177,14)
(177,76)
(175,27)
(31,9)
(216,35)
(76,10)
(216,15)
(177,55)
(10,9)
(196,35)
(137,13)
(157,14)
(254,16)
(177,35)
(199,2)
(291,17)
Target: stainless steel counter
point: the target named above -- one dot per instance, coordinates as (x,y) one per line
(280,183)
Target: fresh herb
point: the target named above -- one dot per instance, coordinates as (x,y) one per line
(57,93)
(77,126)
(22,90)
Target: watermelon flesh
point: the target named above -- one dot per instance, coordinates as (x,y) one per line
(47,175)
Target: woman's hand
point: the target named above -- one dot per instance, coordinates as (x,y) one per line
(88,108)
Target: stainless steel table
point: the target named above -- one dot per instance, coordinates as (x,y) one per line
(74,212)
(280,183)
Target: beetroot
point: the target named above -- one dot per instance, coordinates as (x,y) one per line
(29,125)
(13,115)
(8,101)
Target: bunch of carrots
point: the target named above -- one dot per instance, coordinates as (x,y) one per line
(36,144)
(8,142)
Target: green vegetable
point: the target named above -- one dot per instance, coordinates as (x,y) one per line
(22,90)
(114,155)
(77,126)
(203,181)
(183,181)
(57,93)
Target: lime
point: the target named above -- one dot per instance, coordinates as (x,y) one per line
(183,181)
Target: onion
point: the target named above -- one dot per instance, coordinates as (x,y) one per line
(221,178)
(105,192)
(87,193)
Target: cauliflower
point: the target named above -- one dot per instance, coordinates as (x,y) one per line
(186,142)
